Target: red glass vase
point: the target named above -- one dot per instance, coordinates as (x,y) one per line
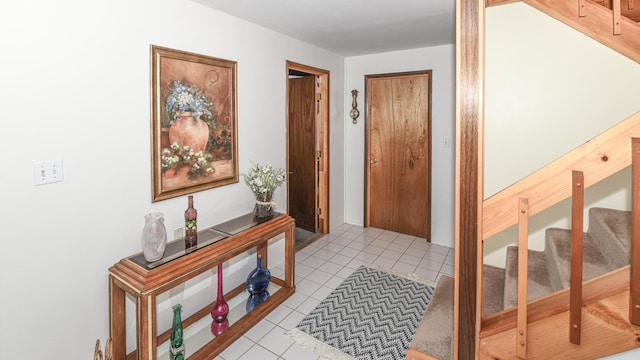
(220,308)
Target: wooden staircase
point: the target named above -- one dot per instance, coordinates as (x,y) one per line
(589,319)
(553,314)
(604,315)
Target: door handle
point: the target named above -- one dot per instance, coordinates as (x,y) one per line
(373,160)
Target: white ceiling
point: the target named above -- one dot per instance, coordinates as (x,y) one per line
(351,27)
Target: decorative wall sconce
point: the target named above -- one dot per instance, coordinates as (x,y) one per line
(354,113)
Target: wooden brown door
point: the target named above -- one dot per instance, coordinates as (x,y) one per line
(303,173)
(398,189)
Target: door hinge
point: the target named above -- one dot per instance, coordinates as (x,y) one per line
(319,211)
(318,154)
(318,96)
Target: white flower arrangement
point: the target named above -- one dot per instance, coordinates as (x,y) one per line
(264,180)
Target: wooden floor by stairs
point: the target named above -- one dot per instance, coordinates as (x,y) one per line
(606,328)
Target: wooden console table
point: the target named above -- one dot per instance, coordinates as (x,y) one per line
(145,281)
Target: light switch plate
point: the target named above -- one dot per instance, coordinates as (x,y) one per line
(46,172)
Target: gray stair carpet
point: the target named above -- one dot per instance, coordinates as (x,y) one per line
(492,290)
(434,335)
(606,248)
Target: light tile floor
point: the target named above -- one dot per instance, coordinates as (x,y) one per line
(320,268)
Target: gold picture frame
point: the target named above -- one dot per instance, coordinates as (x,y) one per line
(190,94)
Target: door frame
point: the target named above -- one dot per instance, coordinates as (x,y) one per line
(322,193)
(367,144)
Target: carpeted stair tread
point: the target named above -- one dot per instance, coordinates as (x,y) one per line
(539,283)
(492,290)
(558,250)
(434,335)
(610,231)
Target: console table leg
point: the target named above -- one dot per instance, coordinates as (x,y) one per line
(117,321)
(146,324)
(290,256)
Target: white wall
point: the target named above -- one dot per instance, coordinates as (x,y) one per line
(441,60)
(75,86)
(548,89)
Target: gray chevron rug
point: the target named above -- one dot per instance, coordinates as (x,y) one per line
(372,315)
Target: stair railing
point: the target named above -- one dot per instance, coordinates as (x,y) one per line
(599,158)
(577,247)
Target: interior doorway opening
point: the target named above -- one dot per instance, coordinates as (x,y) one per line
(308,151)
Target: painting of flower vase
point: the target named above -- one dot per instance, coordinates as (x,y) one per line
(194,126)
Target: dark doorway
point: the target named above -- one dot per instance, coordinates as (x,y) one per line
(307,151)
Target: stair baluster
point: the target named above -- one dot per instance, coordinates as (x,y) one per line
(577,245)
(634,258)
(617,17)
(523,267)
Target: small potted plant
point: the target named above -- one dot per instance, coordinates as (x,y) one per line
(263,182)
(187,107)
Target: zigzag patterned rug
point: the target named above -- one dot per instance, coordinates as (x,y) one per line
(372,315)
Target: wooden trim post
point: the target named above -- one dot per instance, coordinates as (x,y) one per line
(469,195)
(634,258)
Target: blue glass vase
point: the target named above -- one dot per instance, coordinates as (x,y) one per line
(258,279)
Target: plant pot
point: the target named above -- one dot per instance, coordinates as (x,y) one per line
(264,210)
(189,131)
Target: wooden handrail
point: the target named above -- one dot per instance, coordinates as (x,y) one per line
(598,158)
(577,244)
(523,278)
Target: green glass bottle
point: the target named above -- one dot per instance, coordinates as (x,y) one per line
(177,345)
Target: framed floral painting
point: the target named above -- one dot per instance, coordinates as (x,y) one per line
(193,122)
